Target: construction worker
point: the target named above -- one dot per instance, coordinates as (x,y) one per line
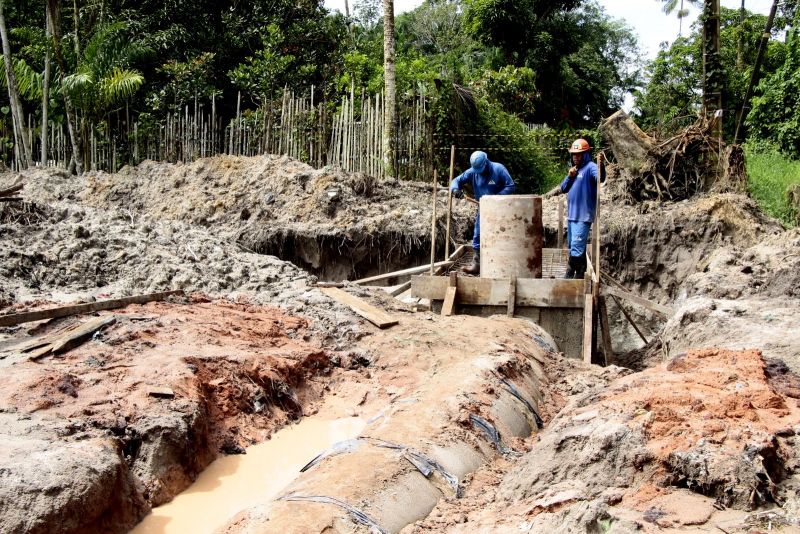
(580,186)
(485,178)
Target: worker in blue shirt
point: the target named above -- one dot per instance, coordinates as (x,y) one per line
(580,186)
(485,178)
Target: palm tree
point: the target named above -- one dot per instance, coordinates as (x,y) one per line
(105,75)
(669,8)
(712,80)
(21,141)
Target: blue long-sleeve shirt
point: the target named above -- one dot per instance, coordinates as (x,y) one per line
(494,180)
(582,191)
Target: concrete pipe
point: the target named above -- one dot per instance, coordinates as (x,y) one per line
(511,236)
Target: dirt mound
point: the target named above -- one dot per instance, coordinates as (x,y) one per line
(53,249)
(706,428)
(335,224)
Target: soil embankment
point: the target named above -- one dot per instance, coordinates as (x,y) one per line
(93,438)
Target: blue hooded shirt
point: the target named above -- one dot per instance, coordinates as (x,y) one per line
(582,191)
(493,180)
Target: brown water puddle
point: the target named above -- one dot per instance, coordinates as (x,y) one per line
(234,483)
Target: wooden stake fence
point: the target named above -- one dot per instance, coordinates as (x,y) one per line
(298,126)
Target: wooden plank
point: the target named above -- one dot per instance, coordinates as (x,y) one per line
(449,301)
(379,318)
(82,333)
(450,295)
(530,292)
(74,337)
(11,190)
(433,223)
(602,312)
(405,272)
(629,318)
(588,313)
(512,295)
(402,288)
(560,240)
(635,299)
(77,309)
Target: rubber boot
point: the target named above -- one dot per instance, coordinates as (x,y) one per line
(571,268)
(580,269)
(473,268)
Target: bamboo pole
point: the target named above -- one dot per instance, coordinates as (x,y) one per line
(450,200)
(433,224)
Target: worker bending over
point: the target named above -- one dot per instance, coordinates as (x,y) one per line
(580,186)
(485,178)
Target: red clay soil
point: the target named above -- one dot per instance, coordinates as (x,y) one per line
(193,349)
(707,430)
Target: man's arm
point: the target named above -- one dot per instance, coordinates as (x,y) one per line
(457,184)
(508,182)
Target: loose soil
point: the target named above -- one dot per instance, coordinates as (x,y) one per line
(690,434)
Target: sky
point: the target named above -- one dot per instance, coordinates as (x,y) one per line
(644,16)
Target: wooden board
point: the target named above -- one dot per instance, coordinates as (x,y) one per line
(404,272)
(635,299)
(77,309)
(588,313)
(11,190)
(449,301)
(530,292)
(73,337)
(379,318)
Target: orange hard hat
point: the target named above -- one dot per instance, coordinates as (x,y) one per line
(580,145)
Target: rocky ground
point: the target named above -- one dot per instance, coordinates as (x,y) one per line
(695,430)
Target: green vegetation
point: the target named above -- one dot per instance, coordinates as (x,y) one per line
(563,63)
(671,99)
(776,107)
(770,174)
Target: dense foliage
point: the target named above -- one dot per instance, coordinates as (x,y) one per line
(776,107)
(563,63)
(672,96)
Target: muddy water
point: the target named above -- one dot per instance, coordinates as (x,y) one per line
(234,483)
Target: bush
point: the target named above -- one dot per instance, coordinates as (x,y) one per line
(770,176)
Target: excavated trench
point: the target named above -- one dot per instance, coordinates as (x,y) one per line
(337,258)
(415,431)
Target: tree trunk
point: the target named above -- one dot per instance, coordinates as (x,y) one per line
(712,66)
(76,38)
(754,77)
(17,117)
(53,10)
(740,40)
(46,92)
(390,88)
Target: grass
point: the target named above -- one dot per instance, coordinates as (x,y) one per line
(769,176)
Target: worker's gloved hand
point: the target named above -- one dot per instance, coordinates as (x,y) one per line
(457,193)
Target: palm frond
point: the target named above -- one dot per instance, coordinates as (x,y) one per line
(78,83)
(29,82)
(119,84)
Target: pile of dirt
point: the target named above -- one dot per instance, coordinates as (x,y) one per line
(87,447)
(707,431)
(334,224)
(64,248)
